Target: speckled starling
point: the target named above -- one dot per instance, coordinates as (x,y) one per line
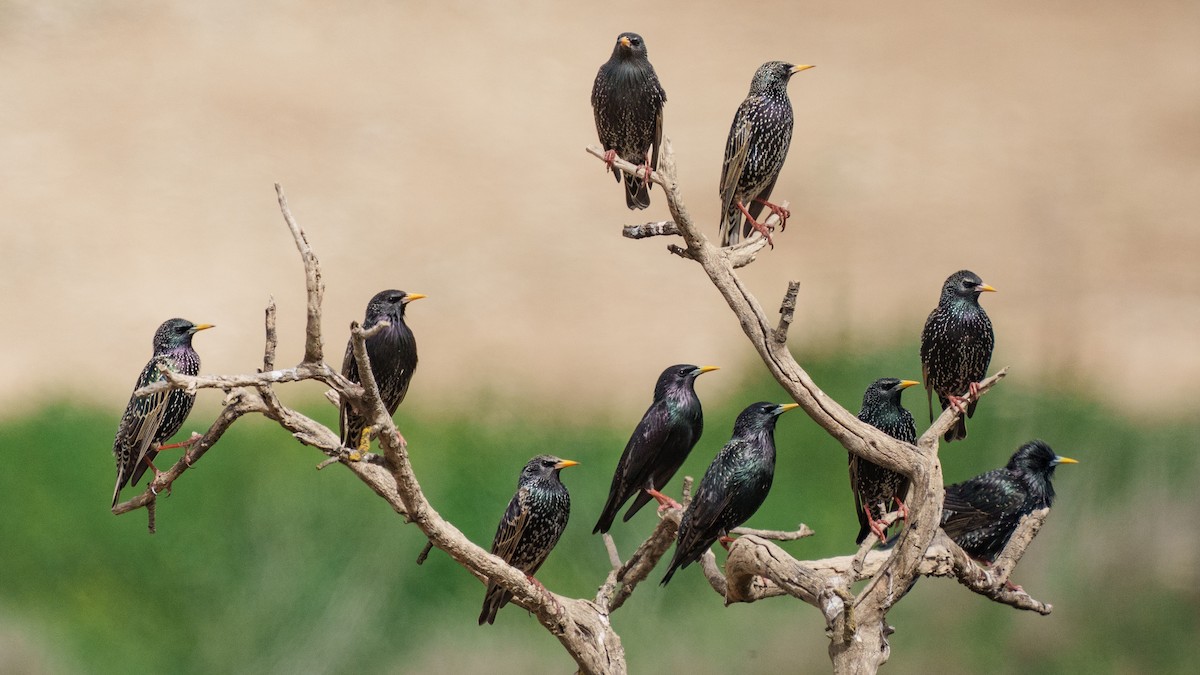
(875,488)
(534,520)
(956,347)
(733,487)
(754,154)
(628,102)
(661,442)
(150,420)
(393,354)
(981,514)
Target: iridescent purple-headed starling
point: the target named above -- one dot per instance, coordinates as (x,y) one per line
(393,354)
(875,488)
(956,347)
(982,513)
(150,420)
(661,442)
(628,102)
(754,154)
(534,520)
(733,487)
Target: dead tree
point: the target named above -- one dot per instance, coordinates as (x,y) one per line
(756,568)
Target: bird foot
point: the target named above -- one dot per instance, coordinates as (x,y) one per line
(664,501)
(610,156)
(181,444)
(974,389)
(646,176)
(364,446)
(902,509)
(782,213)
(762,229)
(1013,587)
(725,541)
(877,527)
(959,403)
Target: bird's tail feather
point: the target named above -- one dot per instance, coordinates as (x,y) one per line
(637,192)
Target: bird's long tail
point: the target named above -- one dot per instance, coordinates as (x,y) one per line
(637,193)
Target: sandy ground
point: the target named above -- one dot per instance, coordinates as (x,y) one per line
(438,147)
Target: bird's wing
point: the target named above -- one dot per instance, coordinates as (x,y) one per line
(737,149)
(963,512)
(928,386)
(658,127)
(642,452)
(512,526)
(858,506)
(139,428)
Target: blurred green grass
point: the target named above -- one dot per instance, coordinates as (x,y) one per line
(262,564)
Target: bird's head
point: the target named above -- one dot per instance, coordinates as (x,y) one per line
(1037,457)
(760,416)
(885,390)
(678,377)
(630,45)
(544,466)
(773,76)
(388,304)
(174,333)
(964,284)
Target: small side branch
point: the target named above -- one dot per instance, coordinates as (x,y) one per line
(787,312)
(312,283)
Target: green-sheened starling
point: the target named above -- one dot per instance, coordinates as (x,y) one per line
(661,442)
(150,420)
(982,513)
(754,154)
(628,102)
(733,487)
(875,488)
(534,520)
(393,354)
(956,347)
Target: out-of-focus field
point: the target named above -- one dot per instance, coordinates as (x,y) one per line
(438,147)
(262,565)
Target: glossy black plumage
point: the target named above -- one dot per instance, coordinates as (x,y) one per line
(982,513)
(534,520)
(150,420)
(733,487)
(393,354)
(627,100)
(875,488)
(659,445)
(756,148)
(956,345)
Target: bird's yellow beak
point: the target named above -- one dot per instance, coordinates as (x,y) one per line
(796,69)
(905,384)
(624,41)
(409,297)
(985,287)
(708,369)
(202,326)
(788,406)
(1065,460)
(565,463)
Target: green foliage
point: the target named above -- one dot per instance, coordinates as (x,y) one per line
(262,564)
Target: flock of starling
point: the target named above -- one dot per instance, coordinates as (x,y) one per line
(956,347)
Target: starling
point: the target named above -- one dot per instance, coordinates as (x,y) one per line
(534,520)
(628,102)
(393,354)
(733,487)
(875,487)
(982,513)
(150,420)
(758,144)
(660,443)
(956,347)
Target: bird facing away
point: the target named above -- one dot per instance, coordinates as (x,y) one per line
(661,442)
(534,520)
(754,154)
(393,354)
(956,347)
(875,488)
(733,487)
(150,420)
(982,513)
(628,102)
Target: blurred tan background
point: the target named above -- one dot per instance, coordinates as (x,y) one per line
(438,147)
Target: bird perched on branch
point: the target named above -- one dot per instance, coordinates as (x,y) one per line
(875,488)
(628,103)
(754,154)
(534,520)
(956,347)
(982,513)
(733,487)
(150,420)
(393,355)
(659,445)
